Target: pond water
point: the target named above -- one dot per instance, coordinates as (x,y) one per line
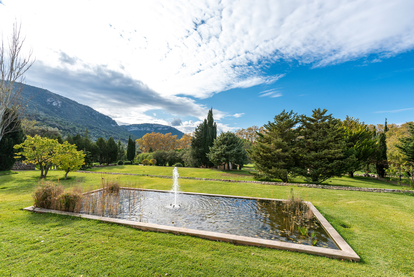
(255,218)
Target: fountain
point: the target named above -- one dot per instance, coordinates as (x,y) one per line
(175,188)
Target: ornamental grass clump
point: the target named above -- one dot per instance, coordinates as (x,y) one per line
(298,214)
(51,196)
(70,201)
(46,195)
(111,186)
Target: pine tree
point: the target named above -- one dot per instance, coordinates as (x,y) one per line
(131,149)
(275,153)
(322,155)
(227,148)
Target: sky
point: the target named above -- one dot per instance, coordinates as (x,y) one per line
(169,62)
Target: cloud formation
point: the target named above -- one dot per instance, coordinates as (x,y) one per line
(273,93)
(204,47)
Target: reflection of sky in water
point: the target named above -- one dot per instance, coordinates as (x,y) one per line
(244,217)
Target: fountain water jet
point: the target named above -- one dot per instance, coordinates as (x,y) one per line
(175,187)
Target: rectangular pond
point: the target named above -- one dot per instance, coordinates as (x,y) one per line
(240,220)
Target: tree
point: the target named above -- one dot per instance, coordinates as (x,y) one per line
(101,144)
(121,150)
(111,151)
(227,149)
(406,145)
(38,151)
(12,69)
(7,151)
(381,162)
(322,144)
(185,142)
(131,149)
(250,134)
(359,142)
(203,139)
(276,151)
(68,159)
(158,141)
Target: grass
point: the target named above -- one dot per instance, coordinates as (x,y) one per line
(242,175)
(379,227)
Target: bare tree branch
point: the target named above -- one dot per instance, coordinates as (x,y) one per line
(12,69)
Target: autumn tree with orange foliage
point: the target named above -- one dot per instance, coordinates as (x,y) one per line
(250,133)
(159,141)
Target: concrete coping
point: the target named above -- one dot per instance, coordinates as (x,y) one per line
(345,252)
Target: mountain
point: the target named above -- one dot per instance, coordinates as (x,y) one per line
(72,118)
(139,130)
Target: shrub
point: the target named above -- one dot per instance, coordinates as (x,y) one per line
(46,194)
(146,162)
(153,161)
(120,163)
(178,165)
(143,156)
(70,201)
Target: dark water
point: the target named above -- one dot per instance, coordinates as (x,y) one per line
(244,217)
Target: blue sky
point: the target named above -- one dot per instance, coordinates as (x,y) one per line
(168,62)
(370,91)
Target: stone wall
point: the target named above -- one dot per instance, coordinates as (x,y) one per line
(21,166)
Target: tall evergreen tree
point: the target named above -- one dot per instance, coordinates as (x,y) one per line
(203,139)
(227,148)
(382,161)
(359,142)
(112,151)
(322,143)
(10,139)
(407,144)
(275,153)
(121,150)
(131,149)
(102,149)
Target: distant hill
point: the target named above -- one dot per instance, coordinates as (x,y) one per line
(139,130)
(72,118)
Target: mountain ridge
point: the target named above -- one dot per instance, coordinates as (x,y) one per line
(71,118)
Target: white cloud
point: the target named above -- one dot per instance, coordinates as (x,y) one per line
(237,115)
(204,47)
(395,111)
(271,93)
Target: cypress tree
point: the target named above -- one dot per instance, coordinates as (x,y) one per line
(112,151)
(382,161)
(203,139)
(102,149)
(131,149)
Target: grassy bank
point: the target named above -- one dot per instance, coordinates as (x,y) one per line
(379,227)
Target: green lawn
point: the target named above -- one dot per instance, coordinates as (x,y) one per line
(243,175)
(378,226)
